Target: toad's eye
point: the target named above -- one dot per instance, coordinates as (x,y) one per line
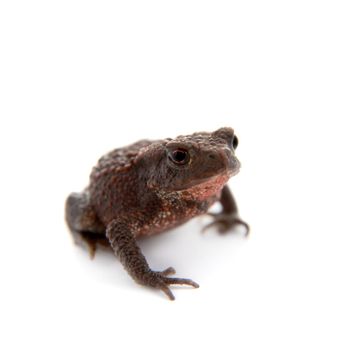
(179,156)
(235,142)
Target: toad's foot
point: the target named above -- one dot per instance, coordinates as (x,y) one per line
(160,280)
(124,245)
(226,222)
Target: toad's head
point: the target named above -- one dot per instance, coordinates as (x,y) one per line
(200,163)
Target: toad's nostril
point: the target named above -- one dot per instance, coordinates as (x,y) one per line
(211,156)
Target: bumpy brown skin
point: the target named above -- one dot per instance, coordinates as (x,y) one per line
(147,188)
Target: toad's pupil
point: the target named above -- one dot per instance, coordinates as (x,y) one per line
(235,142)
(179,156)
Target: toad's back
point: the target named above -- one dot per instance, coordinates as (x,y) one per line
(118,160)
(115,181)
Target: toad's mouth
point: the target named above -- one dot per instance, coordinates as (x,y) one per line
(231,169)
(205,188)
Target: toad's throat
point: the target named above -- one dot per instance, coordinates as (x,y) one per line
(204,190)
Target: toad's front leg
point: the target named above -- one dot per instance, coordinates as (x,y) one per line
(228,218)
(123,242)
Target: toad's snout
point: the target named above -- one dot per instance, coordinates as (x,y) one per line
(224,160)
(230,161)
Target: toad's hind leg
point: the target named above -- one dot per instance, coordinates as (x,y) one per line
(83,222)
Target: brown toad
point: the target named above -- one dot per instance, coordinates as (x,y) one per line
(152,186)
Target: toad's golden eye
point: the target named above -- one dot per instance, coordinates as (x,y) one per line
(179,156)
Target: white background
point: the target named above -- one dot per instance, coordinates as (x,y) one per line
(78,78)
